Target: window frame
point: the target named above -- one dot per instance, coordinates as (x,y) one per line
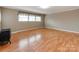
(32,15)
(40,18)
(22,21)
(28,17)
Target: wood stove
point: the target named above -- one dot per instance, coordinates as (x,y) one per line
(5,35)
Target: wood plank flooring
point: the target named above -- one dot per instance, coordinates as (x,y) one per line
(43,40)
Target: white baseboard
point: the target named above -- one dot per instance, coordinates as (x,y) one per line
(26,30)
(46,27)
(62,29)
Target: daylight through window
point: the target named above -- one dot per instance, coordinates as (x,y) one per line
(28,17)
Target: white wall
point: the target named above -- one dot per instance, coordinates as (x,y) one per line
(10,20)
(0,19)
(68,21)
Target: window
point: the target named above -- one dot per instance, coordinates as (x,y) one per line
(31,17)
(22,17)
(38,18)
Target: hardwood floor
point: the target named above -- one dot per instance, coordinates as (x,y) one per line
(43,40)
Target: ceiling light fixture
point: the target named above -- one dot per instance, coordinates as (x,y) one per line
(44,7)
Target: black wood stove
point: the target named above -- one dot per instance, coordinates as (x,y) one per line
(5,35)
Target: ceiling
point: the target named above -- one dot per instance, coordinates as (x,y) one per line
(50,10)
